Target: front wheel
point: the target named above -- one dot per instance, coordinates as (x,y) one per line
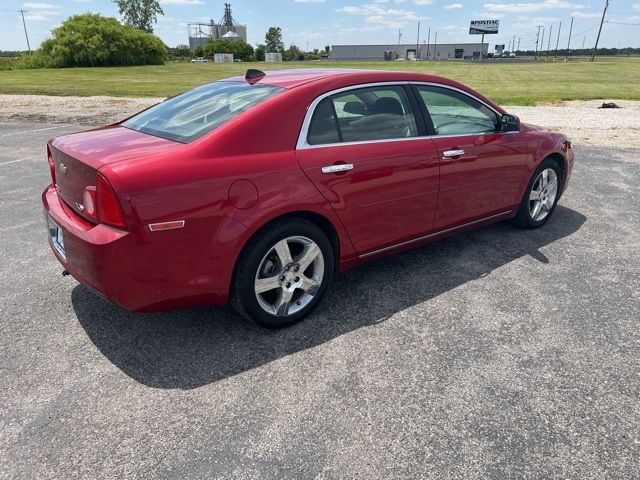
(541,196)
(283,273)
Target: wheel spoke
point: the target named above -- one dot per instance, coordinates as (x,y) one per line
(308,256)
(309,285)
(545,178)
(266,284)
(536,209)
(282,249)
(535,195)
(281,306)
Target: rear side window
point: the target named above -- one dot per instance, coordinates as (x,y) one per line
(365,114)
(192,114)
(454,113)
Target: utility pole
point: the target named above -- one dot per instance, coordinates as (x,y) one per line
(428,41)
(584,39)
(569,41)
(398,47)
(518,44)
(418,43)
(549,41)
(593,54)
(22,12)
(537,38)
(435,42)
(513,44)
(541,44)
(555,55)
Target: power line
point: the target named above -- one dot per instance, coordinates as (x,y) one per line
(621,23)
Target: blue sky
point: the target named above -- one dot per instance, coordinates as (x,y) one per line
(325,22)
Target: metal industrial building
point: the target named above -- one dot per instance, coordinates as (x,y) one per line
(202,33)
(439,51)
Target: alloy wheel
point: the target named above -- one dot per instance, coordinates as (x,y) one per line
(543,194)
(289,276)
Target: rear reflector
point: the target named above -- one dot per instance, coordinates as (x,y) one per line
(156,227)
(107,205)
(52,165)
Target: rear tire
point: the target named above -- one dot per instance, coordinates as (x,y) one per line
(283,273)
(541,196)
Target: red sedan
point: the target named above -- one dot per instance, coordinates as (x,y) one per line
(256,189)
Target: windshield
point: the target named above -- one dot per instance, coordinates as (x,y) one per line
(192,114)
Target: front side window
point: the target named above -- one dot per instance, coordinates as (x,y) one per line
(364,114)
(454,113)
(192,114)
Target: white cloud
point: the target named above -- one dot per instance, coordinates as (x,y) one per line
(636,7)
(41,12)
(423,2)
(309,1)
(40,6)
(453,6)
(530,7)
(544,20)
(586,14)
(182,2)
(377,15)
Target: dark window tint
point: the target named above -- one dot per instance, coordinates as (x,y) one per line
(192,114)
(323,128)
(365,114)
(453,112)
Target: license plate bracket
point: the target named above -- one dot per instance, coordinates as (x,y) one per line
(56,236)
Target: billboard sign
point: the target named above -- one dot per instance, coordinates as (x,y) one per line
(483,27)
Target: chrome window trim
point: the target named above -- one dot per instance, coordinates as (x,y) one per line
(302,143)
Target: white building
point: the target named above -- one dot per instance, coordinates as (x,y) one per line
(439,51)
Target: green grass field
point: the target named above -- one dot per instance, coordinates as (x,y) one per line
(506,83)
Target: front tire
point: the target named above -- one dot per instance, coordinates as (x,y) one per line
(541,196)
(283,273)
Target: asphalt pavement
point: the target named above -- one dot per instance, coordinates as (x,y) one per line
(499,353)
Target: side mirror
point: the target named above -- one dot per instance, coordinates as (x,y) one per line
(509,123)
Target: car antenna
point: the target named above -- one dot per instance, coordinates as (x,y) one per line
(254,75)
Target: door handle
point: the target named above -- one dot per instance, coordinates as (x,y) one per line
(341,167)
(452,153)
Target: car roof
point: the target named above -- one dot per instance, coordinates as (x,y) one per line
(291,78)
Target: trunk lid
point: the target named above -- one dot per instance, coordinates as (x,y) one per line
(79,156)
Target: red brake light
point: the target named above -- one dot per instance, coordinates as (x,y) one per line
(52,165)
(107,206)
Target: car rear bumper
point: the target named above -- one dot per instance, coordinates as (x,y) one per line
(142,270)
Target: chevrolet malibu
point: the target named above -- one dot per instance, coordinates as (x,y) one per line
(255,190)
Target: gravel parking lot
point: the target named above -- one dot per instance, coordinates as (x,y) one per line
(499,353)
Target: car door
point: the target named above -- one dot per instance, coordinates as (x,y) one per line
(480,167)
(367,152)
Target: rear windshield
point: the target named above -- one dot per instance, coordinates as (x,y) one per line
(192,114)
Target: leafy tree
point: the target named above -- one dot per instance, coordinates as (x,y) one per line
(90,40)
(259,52)
(273,40)
(141,14)
(241,50)
(180,51)
(293,54)
(199,51)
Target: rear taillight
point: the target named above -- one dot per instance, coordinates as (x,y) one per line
(52,165)
(89,202)
(106,204)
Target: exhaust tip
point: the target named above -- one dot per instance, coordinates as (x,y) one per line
(65,273)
